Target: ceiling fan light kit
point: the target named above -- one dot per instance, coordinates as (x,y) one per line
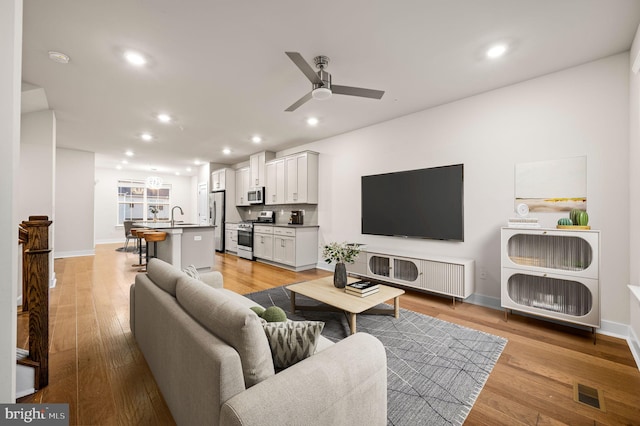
(321,93)
(321,87)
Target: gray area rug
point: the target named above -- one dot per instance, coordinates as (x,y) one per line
(436,369)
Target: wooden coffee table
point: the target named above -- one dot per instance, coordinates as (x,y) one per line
(337,299)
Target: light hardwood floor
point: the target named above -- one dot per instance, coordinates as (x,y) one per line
(95,365)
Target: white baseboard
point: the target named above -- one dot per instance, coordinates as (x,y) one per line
(634,345)
(64,254)
(112,241)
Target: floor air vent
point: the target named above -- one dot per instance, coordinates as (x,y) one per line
(588,396)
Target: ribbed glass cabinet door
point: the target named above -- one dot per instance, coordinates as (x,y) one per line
(380,265)
(551,294)
(405,270)
(566,253)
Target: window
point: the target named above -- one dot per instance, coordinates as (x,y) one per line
(136,200)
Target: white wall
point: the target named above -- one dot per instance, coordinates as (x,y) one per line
(634,193)
(183,194)
(10,76)
(74,205)
(36,184)
(37,164)
(575,112)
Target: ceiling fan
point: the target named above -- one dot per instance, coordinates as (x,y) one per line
(321,82)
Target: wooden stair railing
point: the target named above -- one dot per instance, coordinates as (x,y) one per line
(34,237)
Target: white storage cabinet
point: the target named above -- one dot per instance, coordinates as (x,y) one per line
(263,242)
(443,275)
(552,273)
(242,186)
(231,237)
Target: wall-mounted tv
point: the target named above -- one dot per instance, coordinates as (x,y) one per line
(424,203)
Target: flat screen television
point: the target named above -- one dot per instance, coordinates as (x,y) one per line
(424,203)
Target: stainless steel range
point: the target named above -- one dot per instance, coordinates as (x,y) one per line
(245,233)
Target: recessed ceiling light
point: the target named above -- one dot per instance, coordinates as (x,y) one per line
(163,118)
(135,58)
(497,51)
(59,57)
(312,121)
(119,167)
(256,139)
(226,151)
(146,137)
(124,162)
(188,169)
(197,162)
(129,153)
(177,173)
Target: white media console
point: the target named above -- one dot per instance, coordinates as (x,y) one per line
(444,275)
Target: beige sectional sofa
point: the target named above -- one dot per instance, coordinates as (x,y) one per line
(211,360)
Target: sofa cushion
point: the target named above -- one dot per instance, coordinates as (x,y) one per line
(164,275)
(292,341)
(232,322)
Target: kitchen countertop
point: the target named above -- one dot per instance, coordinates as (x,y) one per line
(285,225)
(167,225)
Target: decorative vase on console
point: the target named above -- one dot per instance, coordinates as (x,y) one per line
(340,253)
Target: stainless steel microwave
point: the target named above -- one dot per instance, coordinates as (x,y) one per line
(256,195)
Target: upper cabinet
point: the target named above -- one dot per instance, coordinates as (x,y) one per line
(301,178)
(274,188)
(242,186)
(222,179)
(257,170)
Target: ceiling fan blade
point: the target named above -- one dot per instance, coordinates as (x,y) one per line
(299,102)
(304,67)
(357,91)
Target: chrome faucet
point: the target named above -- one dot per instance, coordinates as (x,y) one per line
(173,222)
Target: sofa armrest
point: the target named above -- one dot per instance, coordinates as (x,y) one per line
(345,384)
(213,278)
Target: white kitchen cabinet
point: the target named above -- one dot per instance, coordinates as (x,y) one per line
(552,273)
(242,186)
(301,178)
(284,246)
(289,247)
(274,188)
(231,237)
(218,180)
(257,163)
(263,242)
(223,180)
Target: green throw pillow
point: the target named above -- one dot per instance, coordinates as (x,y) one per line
(292,341)
(274,314)
(259,310)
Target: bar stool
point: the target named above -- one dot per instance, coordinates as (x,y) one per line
(138,233)
(153,237)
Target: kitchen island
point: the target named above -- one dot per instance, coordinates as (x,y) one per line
(186,244)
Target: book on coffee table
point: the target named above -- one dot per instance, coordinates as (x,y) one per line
(362,286)
(363,293)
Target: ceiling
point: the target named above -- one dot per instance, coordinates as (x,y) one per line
(220,69)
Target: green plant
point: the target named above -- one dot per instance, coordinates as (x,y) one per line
(340,252)
(154,209)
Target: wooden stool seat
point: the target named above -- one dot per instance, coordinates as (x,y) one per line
(154,236)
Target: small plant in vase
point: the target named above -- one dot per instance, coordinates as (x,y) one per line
(154,210)
(340,253)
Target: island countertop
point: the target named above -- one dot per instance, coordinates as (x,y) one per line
(167,225)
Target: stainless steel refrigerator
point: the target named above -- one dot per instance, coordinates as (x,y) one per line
(216,218)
